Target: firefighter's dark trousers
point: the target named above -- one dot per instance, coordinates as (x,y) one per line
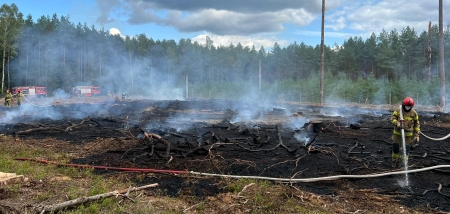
(397,147)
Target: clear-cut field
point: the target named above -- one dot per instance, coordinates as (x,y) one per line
(275,140)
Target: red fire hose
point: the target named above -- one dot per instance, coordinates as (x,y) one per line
(106,167)
(290,180)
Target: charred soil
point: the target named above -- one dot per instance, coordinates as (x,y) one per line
(274,140)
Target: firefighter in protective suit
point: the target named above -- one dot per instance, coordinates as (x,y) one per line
(8,98)
(411,126)
(19,98)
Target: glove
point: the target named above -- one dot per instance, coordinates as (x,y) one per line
(416,137)
(398,125)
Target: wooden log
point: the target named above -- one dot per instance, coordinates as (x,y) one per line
(160,139)
(58,207)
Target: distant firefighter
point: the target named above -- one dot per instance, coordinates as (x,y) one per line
(19,98)
(8,98)
(124,96)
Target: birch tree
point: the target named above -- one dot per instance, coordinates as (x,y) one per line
(10,23)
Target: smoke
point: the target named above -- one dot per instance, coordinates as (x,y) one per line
(302,137)
(60,94)
(247,113)
(54,107)
(163,77)
(115,70)
(301,126)
(29,112)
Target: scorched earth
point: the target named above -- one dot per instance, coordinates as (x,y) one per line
(336,152)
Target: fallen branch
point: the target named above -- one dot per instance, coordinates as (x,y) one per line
(280,144)
(149,137)
(246,186)
(311,143)
(37,129)
(351,148)
(273,165)
(281,141)
(388,143)
(350,151)
(439,191)
(193,206)
(61,206)
(75,125)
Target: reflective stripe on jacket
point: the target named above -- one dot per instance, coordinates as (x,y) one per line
(8,97)
(411,118)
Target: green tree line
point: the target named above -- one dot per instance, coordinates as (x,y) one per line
(56,53)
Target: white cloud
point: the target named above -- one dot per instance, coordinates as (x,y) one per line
(299,17)
(374,16)
(261,24)
(231,17)
(336,24)
(115,31)
(246,41)
(328,34)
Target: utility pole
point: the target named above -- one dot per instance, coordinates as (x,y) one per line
(429,54)
(322,53)
(187,86)
(441,54)
(259,79)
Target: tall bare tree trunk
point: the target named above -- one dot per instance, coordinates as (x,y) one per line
(9,78)
(187,86)
(80,66)
(322,53)
(100,68)
(441,54)
(3,68)
(259,77)
(64,65)
(428,64)
(39,66)
(131,71)
(26,70)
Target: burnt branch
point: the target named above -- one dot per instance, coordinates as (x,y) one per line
(79,124)
(37,130)
(150,138)
(280,144)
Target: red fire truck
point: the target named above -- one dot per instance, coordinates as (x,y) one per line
(85,91)
(30,91)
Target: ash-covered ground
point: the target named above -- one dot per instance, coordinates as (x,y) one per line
(277,140)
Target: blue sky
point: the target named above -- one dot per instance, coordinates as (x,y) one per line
(249,22)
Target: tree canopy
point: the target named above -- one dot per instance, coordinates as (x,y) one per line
(56,53)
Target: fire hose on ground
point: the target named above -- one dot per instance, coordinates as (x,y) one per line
(35,104)
(105,167)
(288,180)
(403,132)
(436,139)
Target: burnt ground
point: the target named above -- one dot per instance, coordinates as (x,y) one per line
(278,140)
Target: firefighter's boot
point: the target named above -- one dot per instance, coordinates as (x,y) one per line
(395,159)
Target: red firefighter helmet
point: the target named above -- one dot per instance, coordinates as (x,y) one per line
(408,101)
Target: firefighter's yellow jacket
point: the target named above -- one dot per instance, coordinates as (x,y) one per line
(411,118)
